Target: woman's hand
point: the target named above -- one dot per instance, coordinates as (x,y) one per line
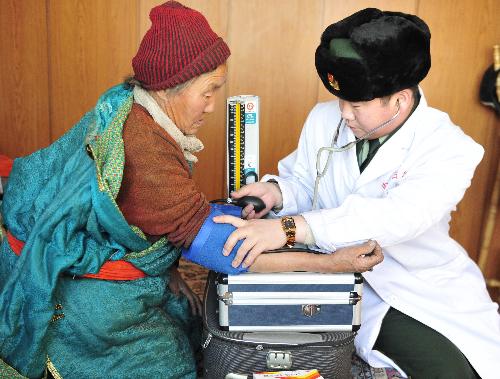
(258,235)
(268,192)
(177,285)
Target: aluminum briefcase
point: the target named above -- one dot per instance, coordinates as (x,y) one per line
(227,352)
(293,301)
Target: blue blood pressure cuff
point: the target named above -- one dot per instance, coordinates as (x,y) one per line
(206,249)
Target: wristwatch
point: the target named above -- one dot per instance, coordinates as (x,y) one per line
(288,225)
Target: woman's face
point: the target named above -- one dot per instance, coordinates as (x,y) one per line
(188,108)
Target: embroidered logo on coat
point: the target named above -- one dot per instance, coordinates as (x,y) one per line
(394,180)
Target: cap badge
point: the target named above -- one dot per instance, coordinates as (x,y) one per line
(333,82)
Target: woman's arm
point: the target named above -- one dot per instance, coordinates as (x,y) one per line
(358,258)
(206,250)
(158,193)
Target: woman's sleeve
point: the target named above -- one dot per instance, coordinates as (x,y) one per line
(206,249)
(158,193)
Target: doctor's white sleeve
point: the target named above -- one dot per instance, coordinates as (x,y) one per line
(430,191)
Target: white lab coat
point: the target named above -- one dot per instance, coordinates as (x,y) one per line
(403,199)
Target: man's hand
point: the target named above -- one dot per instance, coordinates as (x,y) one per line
(358,258)
(268,192)
(258,235)
(177,285)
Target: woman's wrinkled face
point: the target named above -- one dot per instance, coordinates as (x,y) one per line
(188,107)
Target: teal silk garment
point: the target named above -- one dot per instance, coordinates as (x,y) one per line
(61,202)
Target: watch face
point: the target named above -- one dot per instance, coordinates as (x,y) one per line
(289,223)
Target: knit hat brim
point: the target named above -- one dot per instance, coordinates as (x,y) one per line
(208,60)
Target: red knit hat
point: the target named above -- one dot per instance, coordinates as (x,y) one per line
(179,46)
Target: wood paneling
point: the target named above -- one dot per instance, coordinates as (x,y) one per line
(489,257)
(24,116)
(490,253)
(91,45)
(458,63)
(273,57)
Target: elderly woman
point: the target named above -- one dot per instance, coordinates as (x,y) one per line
(89,285)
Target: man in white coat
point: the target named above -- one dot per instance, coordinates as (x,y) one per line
(393,170)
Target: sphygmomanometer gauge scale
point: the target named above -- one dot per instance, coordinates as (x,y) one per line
(242,141)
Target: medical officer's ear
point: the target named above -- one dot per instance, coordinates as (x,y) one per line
(404,99)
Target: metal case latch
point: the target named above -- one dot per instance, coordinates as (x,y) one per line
(279,360)
(310,310)
(354,298)
(227,298)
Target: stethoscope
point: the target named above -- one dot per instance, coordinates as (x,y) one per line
(321,171)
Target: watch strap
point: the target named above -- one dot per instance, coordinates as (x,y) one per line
(288,225)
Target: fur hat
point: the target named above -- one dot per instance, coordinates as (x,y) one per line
(373,54)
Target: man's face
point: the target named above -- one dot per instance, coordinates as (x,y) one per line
(364,116)
(188,108)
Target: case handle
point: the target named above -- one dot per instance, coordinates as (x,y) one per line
(279,360)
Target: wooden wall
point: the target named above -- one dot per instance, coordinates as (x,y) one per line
(59,55)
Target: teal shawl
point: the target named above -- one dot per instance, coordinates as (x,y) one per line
(61,202)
